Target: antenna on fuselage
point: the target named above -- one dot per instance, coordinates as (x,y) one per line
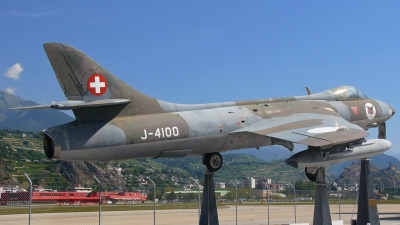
(308,90)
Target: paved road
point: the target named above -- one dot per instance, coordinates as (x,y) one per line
(247,214)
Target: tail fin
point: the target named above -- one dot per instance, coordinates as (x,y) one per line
(83,79)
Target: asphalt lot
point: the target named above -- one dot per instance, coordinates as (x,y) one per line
(247,214)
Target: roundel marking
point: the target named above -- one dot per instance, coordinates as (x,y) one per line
(370,110)
(97,84)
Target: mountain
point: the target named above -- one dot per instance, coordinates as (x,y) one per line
(239,166)
(382,161)
(81,173)
(387,177)
(275,153)
(27,120)
(267,154)
(395,154)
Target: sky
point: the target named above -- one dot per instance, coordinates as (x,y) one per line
(210,51)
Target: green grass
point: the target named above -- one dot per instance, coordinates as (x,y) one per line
(8,210)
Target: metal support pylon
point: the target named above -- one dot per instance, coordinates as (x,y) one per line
(209,214)
(322,214)
(367,208)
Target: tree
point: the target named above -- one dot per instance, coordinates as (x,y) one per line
(189,196)
(171,196)
(230,195)
(150,196)
(162,191)
(159,195)
(301,185)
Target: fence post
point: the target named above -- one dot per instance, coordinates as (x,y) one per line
(198,185)
(340,215)
(294,199)
(236,199)
(154,185)
(266,187)
(30,198)
(98,182)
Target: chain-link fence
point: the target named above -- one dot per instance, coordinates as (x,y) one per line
(44,199)
(50,201)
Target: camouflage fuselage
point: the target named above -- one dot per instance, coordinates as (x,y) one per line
(194,132)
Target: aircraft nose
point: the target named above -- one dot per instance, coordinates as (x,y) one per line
(387,110)
(391,110)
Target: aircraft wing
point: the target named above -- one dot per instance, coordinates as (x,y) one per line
(66,105)
(309,129)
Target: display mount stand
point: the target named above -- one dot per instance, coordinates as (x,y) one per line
(367,209)
(209,214)
(322,214)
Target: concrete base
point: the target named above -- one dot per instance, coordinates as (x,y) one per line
(336,222)
(296,224)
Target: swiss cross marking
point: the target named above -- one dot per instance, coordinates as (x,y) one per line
(97,84)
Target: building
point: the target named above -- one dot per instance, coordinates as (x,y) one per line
(261,193)
(265,193)
(79,189)
(219,185)
(261,184)
(249,183)
(11,189)
(70,198)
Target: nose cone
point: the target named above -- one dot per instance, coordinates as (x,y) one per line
(386,145)
(391,110)
(387,110)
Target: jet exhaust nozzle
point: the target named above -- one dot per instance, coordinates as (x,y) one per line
(51,149)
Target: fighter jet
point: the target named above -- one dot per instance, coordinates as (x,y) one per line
(115,121)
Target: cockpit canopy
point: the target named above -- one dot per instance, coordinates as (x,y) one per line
(345,93)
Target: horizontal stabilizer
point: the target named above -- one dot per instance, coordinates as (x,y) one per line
(31,107)
(66,105)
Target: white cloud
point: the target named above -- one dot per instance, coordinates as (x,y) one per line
(11,91)
(14,71)
(34,15)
